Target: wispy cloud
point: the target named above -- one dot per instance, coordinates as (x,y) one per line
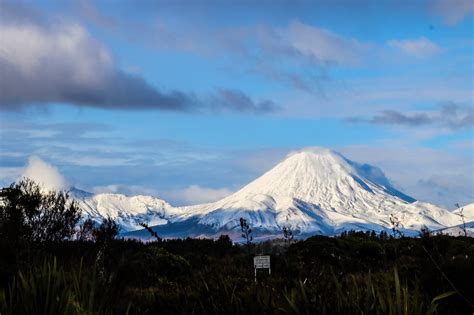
(450,116)
(235,100)
(391,117)
(317,45)
(420,48)
(296,40)
(297,54)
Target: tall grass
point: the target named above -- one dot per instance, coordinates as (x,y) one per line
(383,293)
(366,295)
(49,289)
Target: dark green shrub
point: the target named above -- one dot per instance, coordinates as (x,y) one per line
(152,265)
(27,213)
(370,250)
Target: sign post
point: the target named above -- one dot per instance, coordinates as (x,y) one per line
(261,262)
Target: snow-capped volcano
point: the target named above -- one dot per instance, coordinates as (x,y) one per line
(319,191)
(312,191)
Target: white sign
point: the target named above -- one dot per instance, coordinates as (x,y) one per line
(260,262)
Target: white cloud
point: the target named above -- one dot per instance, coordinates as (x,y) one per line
(45,174)
(28,47)
(453,12)
(196,194)
(421,47)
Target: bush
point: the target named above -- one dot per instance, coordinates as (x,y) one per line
(29,214)
(151,264)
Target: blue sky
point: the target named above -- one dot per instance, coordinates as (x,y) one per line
(191,100)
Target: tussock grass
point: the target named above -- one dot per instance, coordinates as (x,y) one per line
(49,289)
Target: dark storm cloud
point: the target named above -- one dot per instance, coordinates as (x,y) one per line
(117,91)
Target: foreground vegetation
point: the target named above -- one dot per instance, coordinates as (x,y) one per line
(90,271)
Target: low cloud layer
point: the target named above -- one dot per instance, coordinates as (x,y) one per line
(449,116)
(44,174)
(437,176)
(195,194)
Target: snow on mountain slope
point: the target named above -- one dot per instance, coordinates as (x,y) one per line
(458,228)
(319,191)
(468,212)
(127,211)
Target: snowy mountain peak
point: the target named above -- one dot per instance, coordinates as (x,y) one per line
(323,177)
(317,157)
(313,151)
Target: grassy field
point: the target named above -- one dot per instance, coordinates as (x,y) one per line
(357,273)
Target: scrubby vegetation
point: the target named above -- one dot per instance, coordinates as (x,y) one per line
(355,273)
